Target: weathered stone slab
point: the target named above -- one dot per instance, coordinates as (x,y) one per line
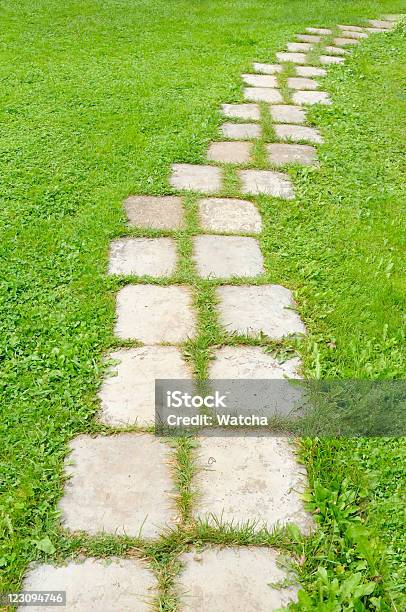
(376,23)
(310,38)
(267,68)
(330,59)
(281,154)
(266,182)
(351,34)
(287,113)
(242,111)
(297,133)
(155,314)
(310,71)
(300,47)
(376,30)
(206,179)
(128,391)
(322,31)
(260,80)
(246,362)
(239,577)
(262,94)
(165,212)
(251,310)
(96,585)
(393,17)
(114,487)
(229,215)
(342,42)
(335,50)
(311,97)
(302,83)
(143,256)
(245,131)
(351,28)
(295,58)
(227,256)
(230,152)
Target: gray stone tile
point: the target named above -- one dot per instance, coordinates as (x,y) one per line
(246,362)
(299,47)
(242,111)
(262,94)
(165,212)
(243,131)
(155,314)
(336,50)
(330,59)
(351,34)
(302,83)
(311,97)
(260,80)
(281,154)
(206,179)
(127,394)
(238,577)
(110,584)
(351,28)
(310,71)
(267,68)
(322,31)
(229,215)
(310,38)
(297,133)
(376,30)
(266,182)
(252,310)
(342,42)
(287,113)
(230,152)
(227,256)
(295,58)
(393,17)
(376,23)
(143,256)
(114,487)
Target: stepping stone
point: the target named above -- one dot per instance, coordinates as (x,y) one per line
(336,50)
(266,182)
(267,68)
(154,314)
(295,58)
(297,133)
(246,362)
(299,47)
(143,256)
(311,97)
(239,577)
(376,23)
(351,28)
(115,487)
(230,152)
(322,31)
(155,212)
(342,42)
(110,584)
(128,391)
(330,59)
(262,94)
(242,111)
(252,310)
(287,113)
(302,83)
(310,71)
(260,80)
(282,154)
(227,256)
(206,179)
(376,30)
(392,17)
(229,215)
(245,131)
(351,34)
(311,38)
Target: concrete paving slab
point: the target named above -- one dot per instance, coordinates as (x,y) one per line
(243,131)
(267,68)
(266,182)
(310,38)
(281,154)
(343,42)
(330,59)
(260,80)
(206,179)
(377,30)
(229,215)
(262,94)
(227,257)
(351,34)
(287,113)
(230,152)
(242,111)
(296,133)
(351,28)
(143,256)
(311,97)
(322,31)
(164,212)
(295,58)
(377,23)
(250,362)
(302,83)
(299,47)
(336,50)
(310,71)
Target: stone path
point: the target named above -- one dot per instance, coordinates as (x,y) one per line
(123,483)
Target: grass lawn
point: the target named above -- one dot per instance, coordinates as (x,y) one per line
(97,100)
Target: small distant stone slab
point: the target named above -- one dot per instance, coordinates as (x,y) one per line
(296,133)
(256,182)
(262,94)
(351,34)
(155,212)
(351,28)
(311,38)
(127,394)
(287,113)
(295,58)
(143,256)
(377,30)
(242,111)
(281,154)
(260,80)
(300,47)
(240,577)
(227,256)
(267,68)
(393,17)
(302,83)
(330,59)
(245,131)
(252,310)
(96,584)
(376,23)
(336,50)
(155,314)
(310,71)
(114,487)
(322,31)
(311,97)
(230,152)
(342,42)
(206,179)
(229,215)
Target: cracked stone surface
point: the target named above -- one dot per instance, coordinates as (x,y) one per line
(155,314)
(311,97)
(127,394)
(310,71)
(260,80)
(245,131)
(165,212)
(238,576)
(302,83)
(206,179)
(111,584)
(266,182)
(295,58)
(322,31)
(351,34)
(267,68)
(262,94)
(331,59)
(250,362)
(281,154)
(230,152)
(309,38)
(115,487)
(287,113)
(300,47)
(229,215)
(297,133)
(251,310)
(227,256)
(143,256)
(336,50)
(242,111)
(342,42)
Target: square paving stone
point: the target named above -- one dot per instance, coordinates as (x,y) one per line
(331,59)
(300,47)
(351,28)
(143,256)
(336,50)
(350,34)
(260,80)
(342,42)
(245,131)
(230,152)
(238,578)
(311,38)
(227,256)
(242,111)
(295,58)
(164,212)
(376,23)
(267,68)
(281,154)
(154,314)
(206,179)
(262,94)
(311,97)
(287,113)
(118,484)
(266,182)
(322,31)
(302,83)
(376,30)
(297,133)
(251,310)
(246,362)
(110,584)
(229,215)
(310,71)
(128,391)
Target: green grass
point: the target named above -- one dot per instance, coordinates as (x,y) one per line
(97,100)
